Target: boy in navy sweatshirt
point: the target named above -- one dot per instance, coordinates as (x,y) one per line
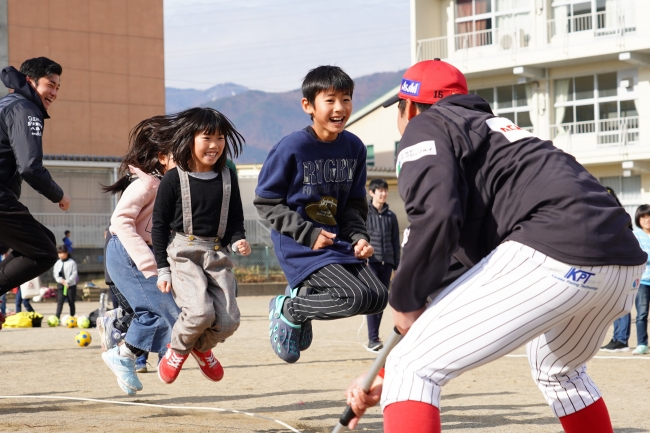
(312,191)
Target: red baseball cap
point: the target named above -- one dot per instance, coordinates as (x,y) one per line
(429,81)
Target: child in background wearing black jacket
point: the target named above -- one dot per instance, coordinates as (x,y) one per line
(384,237)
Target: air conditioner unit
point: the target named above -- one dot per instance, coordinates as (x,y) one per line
(519,38)
(506,42)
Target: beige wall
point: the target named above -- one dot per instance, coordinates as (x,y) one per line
(112,56)
(379,128)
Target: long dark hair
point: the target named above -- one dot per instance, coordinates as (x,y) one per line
(187,124)
(146,140)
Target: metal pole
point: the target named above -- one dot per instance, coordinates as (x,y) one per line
(348,413)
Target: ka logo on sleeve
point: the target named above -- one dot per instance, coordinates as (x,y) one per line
(35,125)
(415,152)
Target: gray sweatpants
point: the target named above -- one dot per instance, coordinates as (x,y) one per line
(204,286)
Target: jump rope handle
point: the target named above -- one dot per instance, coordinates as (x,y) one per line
(348,413)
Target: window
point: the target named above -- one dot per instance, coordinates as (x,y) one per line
(474,16)
(510,102)
(579,15)
(487,22)
(370,156)
(602,103)
(626,188)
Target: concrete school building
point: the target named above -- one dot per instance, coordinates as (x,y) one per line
(573,71)
(112,55)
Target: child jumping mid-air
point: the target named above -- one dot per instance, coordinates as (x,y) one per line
(197,217)
(312,191)
(129,254)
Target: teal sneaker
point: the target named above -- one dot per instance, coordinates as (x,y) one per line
(306,331)
(123,368)
(282,333)
(641,349)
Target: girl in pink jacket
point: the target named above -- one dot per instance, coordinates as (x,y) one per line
(129,255)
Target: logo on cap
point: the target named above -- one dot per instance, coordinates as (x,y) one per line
(410,87)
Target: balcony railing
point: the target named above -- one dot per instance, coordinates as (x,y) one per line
(608,131)
(474,39)
(601,24)
(429,49)
(501,39)
(618,20)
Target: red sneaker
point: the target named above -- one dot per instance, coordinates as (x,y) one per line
(209,365)
(170,365)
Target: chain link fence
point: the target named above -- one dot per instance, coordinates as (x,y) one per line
(88,237)
(260,266)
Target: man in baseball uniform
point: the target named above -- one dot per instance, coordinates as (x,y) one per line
(551,262)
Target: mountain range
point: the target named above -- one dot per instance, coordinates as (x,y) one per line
(263,118)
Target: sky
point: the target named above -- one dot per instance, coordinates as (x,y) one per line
(270,45)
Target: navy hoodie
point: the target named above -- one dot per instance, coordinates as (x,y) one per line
(314,185)
(21,140)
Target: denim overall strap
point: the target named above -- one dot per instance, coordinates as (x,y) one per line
(186,200)
(225,202)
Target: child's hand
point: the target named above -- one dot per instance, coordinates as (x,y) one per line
(324,240)
(164,286)
(242,247)
(363,250)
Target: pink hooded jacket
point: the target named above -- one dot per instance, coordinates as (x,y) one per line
(131,220)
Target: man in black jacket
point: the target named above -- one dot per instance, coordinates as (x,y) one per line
(22,112)
(551,260)
(384,237)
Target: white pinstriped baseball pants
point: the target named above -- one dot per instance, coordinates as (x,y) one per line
(516,295)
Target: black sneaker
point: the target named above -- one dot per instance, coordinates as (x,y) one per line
(615,346)
(375,346)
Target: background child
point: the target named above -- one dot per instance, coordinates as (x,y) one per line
(312,191)
(65,274)
(129,256)
(642,299)
(67,241)
(3,298)
(621,335)
(384,237)
(22,302)
(198,214)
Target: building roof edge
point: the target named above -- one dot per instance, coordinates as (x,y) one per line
(369,108)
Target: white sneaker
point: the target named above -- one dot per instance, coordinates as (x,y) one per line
(109,336)
(641,349)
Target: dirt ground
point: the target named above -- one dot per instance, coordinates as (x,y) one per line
(40,364)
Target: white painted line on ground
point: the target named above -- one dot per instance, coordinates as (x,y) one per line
(596,357)
(215,409)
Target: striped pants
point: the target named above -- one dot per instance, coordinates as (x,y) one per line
(339,291)
(514,296)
